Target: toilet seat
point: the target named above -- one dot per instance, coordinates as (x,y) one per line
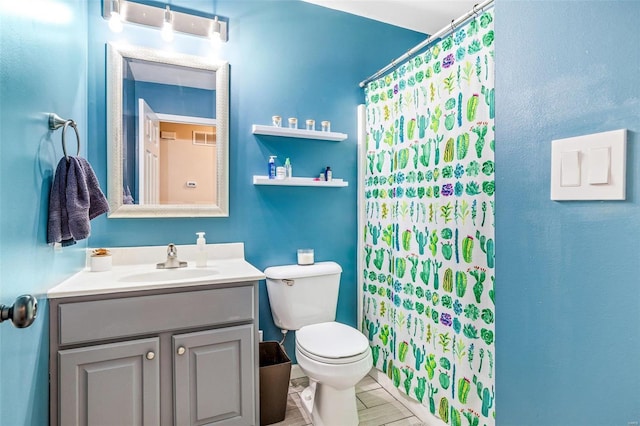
(344,360)
(332,343)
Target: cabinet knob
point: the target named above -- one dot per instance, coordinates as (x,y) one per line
(151,355)
(181,350)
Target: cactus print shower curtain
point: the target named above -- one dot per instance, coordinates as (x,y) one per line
(429,232)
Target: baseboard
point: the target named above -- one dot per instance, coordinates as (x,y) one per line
(420,411)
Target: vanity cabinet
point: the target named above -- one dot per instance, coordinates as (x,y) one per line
(115,384)
(204,361)
(179,356)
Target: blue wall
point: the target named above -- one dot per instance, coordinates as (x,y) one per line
(567,317)
(288,58)
(568,298)
(42,69)
(178,100)
(59,67)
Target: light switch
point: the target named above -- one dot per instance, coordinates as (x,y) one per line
(570,168)
(599,165)
(589,167)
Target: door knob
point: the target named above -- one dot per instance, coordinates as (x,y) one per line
(181,350)
(151,355)
(22,313)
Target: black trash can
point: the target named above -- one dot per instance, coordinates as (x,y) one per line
(275,369)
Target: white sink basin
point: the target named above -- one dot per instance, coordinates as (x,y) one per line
(176,274)
(134,269)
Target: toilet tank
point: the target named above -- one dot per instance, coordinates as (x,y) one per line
(300,295)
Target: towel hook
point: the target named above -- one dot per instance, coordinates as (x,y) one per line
(55,122)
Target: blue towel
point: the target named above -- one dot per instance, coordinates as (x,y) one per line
(75,199)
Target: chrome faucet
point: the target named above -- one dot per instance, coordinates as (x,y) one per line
(172,259)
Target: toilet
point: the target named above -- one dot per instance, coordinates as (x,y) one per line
(334,356)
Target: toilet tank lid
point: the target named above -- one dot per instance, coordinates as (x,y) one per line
(302,271)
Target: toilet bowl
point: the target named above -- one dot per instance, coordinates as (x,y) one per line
(335,357)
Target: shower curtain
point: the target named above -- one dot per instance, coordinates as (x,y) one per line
(428,260)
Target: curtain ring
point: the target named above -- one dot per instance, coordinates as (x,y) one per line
(453,27)
(475,11)
(64,130)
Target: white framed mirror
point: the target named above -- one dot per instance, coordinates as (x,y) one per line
(167,134)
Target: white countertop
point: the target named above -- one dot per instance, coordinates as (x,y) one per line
(225,262)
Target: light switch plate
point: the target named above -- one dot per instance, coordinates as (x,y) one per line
(168,135)
(601,167)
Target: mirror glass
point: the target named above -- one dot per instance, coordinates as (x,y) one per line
(167,132)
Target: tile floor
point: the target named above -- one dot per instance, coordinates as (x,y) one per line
(376,406)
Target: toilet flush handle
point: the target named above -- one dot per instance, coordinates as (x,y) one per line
(288,282)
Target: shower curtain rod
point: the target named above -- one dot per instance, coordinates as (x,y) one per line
(478,8)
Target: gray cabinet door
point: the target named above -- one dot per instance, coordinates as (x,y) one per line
(113,384)
(214,377)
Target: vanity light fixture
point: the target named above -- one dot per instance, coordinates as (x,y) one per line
(180,20)
(167,26)
(115,19)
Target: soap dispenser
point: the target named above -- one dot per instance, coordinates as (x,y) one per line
(201,255)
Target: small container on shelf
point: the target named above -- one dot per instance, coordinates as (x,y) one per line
(305,257)
(100,260)
(272,166)
(293,123)
(328,174)
(280,172)
(276,120)
(326,126)
(288,171)
(311,124)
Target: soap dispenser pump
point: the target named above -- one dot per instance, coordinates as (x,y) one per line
(201,255)
(272,166)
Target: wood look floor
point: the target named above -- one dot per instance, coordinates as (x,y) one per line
(376,406)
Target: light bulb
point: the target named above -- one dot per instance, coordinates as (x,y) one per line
(216,40)
(167,32)
(167,27)
(216,37)
(115,21)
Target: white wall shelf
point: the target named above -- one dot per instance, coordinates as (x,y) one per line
(299,181)
(297,133)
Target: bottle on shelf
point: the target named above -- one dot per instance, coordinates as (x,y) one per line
(328,174)
(288,172)
(272,166)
